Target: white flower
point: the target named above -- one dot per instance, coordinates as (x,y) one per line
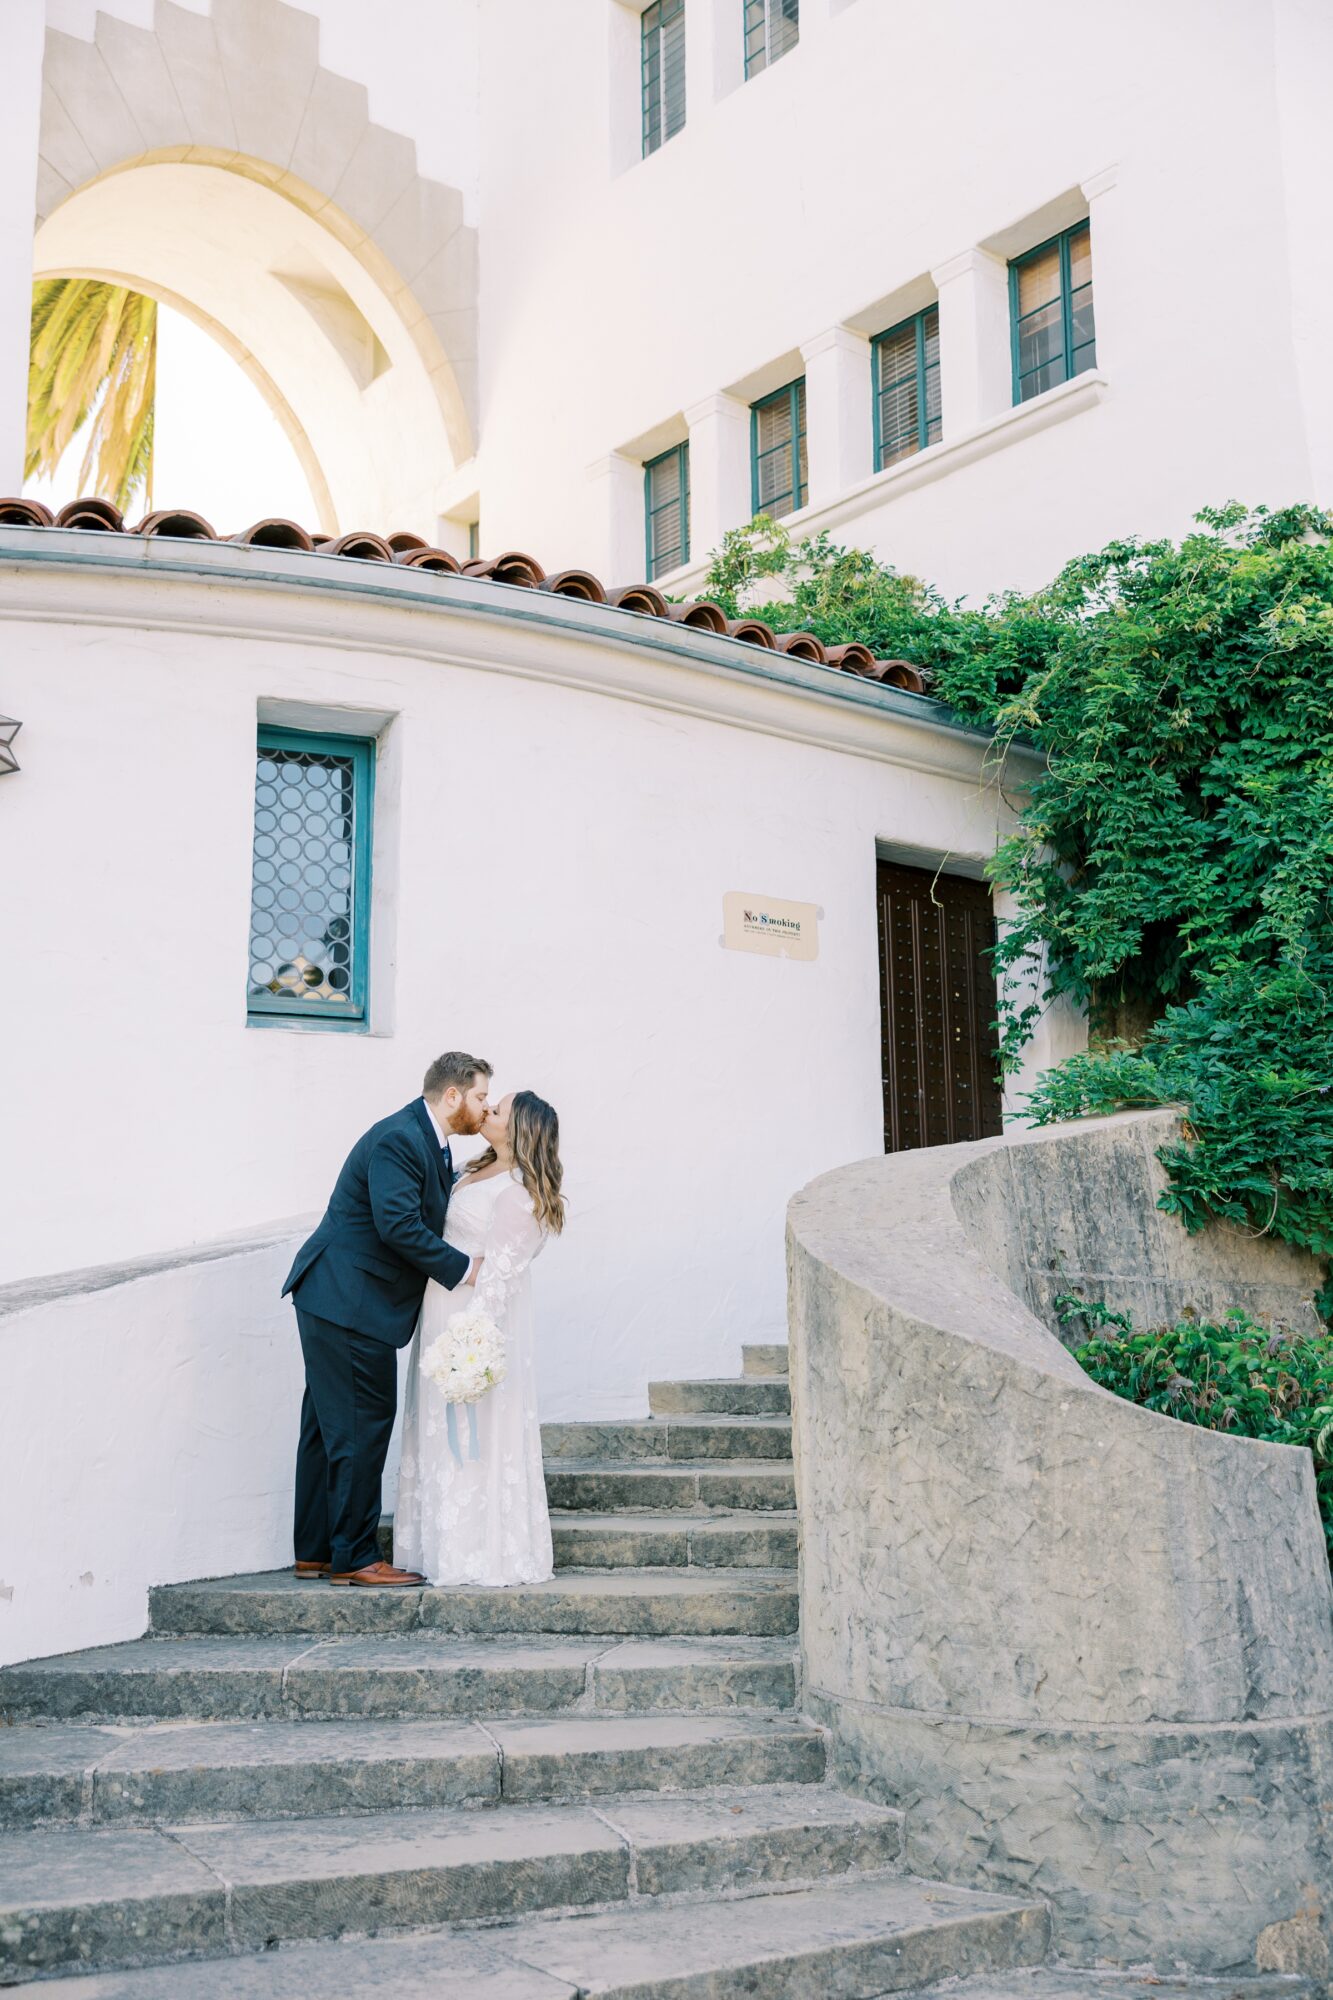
(467,1359)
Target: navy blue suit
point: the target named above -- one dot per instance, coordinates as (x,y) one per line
(357,1285)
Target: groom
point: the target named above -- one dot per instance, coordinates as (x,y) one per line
(357,1286)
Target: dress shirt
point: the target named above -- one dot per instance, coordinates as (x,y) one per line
(440,1132)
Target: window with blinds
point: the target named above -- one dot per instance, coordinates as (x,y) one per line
(1050,291)
(666,502)
(771,28)
(779,480)
(663,70)
(907,387)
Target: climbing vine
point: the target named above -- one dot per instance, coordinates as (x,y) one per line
(1172,868)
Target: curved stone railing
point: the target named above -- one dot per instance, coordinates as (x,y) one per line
(1088,1648)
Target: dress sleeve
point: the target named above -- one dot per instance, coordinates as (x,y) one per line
(512,1241)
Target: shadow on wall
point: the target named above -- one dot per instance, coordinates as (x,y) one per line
(1087,1648)
(147,1434)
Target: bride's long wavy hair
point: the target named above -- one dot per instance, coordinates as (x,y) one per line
(534,1134)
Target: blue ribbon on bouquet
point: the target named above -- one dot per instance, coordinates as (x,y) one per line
(451,1425)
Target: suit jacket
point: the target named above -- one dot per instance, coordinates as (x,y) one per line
(367,1263)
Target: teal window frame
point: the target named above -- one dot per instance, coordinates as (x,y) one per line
(1076,359)
(662,72)
(680,500)
(923,369)
(757,17)
(268,1009)
(794,392)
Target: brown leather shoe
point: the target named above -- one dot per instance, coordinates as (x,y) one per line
(312,1568)
(378,1575)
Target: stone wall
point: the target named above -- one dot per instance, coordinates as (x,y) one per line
(1086,1647)
(1078,1213)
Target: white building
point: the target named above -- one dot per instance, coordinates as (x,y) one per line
(431,235)
(430,232)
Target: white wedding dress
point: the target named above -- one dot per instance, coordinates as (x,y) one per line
(484,1520)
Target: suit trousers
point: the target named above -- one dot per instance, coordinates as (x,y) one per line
(347,1414)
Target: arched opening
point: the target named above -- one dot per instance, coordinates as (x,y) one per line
(334,345)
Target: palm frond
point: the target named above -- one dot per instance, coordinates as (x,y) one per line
(93,360)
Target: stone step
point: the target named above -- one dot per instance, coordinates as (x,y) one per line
(674,1541)
(759,1602)
(662,1439)
(422,1674)
(874,1934)
(1048,1982)
(765,1360)
(752,1396)
(724,1538)
(753,1486)
(70,1897)
(122,1775)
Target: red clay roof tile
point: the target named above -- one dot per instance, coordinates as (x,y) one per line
(513,568)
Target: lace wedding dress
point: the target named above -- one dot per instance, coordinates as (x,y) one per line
(484,1520)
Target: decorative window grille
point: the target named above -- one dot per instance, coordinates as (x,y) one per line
(310,877)
(666,501)
(779,479)
(663,72)
(1050,292)
(907,388)
(771,28)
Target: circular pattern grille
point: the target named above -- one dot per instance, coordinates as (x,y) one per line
(301,896)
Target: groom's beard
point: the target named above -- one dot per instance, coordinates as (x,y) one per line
(469,1123)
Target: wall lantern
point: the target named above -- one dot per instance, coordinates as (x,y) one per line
(9,729)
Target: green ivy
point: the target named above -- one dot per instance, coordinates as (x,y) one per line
(1238,1377)
(1172,868)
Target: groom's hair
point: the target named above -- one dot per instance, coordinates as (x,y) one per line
(453,1071)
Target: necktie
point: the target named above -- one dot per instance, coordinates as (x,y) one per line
(448,1158)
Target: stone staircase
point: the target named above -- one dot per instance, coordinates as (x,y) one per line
(598,1785)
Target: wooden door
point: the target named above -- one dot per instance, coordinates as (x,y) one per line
(937,993)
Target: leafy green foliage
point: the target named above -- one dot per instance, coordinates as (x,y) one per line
(1173,866)
(1237,1377)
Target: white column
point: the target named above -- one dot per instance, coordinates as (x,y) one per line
(700,59)
(838,425)
(1111,284)
(20,129)
(976,365)
(616,553)
(721,40)
(719,471)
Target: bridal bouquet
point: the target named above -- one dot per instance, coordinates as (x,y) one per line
(468,1358)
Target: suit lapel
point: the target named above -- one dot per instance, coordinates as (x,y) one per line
(433,1146)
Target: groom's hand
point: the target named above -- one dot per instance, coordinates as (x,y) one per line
(475,1272)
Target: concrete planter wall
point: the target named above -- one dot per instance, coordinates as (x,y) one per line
(1087,1648)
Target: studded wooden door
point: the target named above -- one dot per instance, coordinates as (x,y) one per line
(937,993)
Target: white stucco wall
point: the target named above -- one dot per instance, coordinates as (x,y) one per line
(147,1435)
(550,867)
(826,192)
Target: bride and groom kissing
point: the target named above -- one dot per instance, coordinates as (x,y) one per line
(406,1246)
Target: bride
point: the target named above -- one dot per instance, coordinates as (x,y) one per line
(483,1520)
